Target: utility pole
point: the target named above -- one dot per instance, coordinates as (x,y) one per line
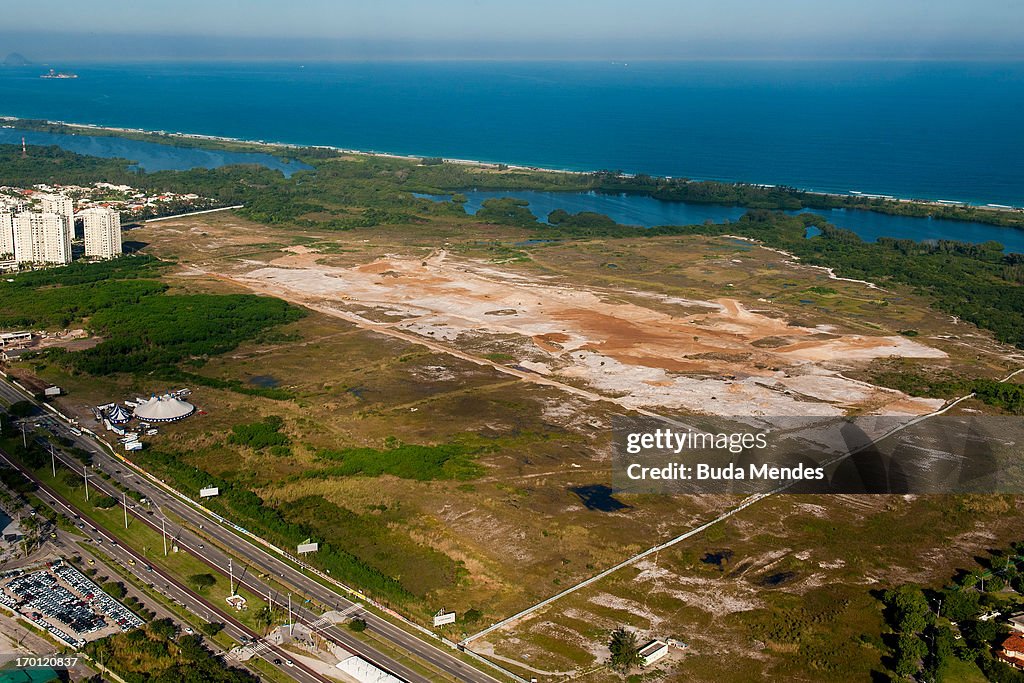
(24,442)
(125,510)
(85,476)
(53,462)
(291,626)
(163,528)
(231,577)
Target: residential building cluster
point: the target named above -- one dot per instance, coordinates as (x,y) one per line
(39,224)
(132,203)
(41,230)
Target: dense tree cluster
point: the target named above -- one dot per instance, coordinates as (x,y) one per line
(155,653)
(259,435)
(408,461)
(160,331)
(926,622)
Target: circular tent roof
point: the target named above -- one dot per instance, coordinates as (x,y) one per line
(118,415)
(164,409)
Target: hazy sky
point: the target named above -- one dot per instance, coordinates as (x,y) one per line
(96,29)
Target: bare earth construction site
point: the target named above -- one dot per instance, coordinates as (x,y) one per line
(718,357)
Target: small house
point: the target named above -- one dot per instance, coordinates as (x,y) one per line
(653,651)
(1012,651)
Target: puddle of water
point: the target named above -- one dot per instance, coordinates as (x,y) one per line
(599,497)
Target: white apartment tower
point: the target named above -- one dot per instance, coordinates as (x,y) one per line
(62,206)
(6,234)
(41,238)
(102,232)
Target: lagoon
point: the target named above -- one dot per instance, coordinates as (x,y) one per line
(150,156)
(647,212)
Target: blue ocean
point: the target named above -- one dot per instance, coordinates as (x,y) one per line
(930,130)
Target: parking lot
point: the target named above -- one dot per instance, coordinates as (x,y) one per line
(66,603)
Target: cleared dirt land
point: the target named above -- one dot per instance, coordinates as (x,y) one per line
(719,356)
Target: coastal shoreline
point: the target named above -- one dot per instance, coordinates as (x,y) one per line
(495,165)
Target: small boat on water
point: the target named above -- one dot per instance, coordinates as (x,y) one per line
(58,74)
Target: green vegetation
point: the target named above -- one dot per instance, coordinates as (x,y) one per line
(211,628)
(409,461)
(201,582)
(104,502)
(926,621)
(506,211)
(44,299)
(978,283)
(155,653)
(358,625)
(583,219)
(818,629)
(1003,395)
(158,332)
(114,589)
(625,650)
(21,409)
(143,329)
(260,435)
(375,547)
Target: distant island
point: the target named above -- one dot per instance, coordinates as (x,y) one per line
(16,59)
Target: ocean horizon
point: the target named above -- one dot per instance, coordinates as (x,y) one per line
(827,127)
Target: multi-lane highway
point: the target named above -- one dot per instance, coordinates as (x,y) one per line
(170,586)
(260,560)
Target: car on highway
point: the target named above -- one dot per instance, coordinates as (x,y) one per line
(289,662)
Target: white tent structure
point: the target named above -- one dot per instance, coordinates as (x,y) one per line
(118,415)
(164,409)
(365,672)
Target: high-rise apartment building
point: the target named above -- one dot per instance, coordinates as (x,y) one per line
(41,238)
(62,206)
(6,234)
(102,228)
